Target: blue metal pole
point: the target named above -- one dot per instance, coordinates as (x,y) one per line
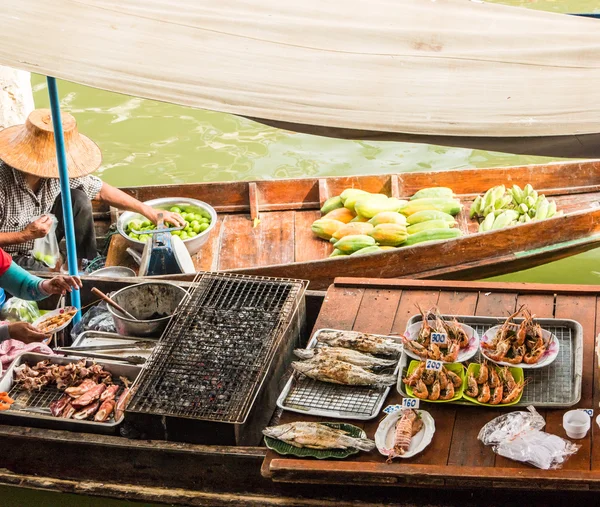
(65,190)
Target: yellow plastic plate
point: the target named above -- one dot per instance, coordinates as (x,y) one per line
(517,374)
(457,368)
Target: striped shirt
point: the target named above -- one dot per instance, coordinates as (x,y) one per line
(20,205)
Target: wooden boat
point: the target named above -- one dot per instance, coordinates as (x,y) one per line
(176,473)
(282,243)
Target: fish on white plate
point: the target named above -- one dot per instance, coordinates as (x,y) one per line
(362,342)
(339,372)
(317,436)
(346,355)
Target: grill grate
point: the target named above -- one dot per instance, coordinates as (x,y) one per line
(216,352)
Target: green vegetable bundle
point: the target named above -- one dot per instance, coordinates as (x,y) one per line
(501,207)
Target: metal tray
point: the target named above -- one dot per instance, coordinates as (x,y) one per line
(557,385)
(311,397)
(38,412)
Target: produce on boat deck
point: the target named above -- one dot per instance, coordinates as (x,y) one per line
(407,426)
(432,209)
(346,355)
(517,343)
(362,342)
(501,207)
(317,436)
(339,372)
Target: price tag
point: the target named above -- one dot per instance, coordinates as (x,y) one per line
(589,412)
(410,403)
(392,408)
(439,338)
(433,365)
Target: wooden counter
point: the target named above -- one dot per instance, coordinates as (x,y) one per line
(455,457)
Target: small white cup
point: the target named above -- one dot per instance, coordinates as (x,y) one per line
(576,424)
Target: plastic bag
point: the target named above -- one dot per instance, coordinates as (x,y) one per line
(518,436)
(97,318)
(19,310)
(46,249)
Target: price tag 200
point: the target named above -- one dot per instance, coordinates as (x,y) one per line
(433,365)
(410,403)
(439,338)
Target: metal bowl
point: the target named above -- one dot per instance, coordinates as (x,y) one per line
(143,301)
(192,244)
(114,272)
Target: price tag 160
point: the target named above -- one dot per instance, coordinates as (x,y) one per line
(439,338)
(433,365)
(410,403)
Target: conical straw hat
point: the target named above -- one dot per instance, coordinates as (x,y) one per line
(30,147)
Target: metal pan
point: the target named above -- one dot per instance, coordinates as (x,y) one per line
(36,412)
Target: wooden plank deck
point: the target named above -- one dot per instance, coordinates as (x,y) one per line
(455,458)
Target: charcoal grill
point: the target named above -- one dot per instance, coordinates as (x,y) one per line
(213,377)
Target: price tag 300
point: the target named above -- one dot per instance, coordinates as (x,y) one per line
(433,365)
(439,338)
(410,403)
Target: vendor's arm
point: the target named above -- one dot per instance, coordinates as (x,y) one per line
(22,331)
(121,200)
(36,229)
(24,285)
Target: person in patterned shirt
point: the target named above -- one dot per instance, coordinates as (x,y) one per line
(30,189)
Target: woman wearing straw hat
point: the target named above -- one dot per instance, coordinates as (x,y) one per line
(30,189)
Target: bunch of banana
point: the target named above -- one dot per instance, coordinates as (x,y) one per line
(500,207)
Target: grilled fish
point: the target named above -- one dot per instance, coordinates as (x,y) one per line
(346,355)
(317,436)
(361,342)
(338,372)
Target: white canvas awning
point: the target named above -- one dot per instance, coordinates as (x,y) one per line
(452,69)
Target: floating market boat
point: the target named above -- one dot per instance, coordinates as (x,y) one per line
(280,242)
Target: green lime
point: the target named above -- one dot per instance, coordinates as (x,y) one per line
(203,227)
(197,227)
(192,234)
(147,223)
(133,236)
(184,235)
(176,233)
(205,220)
(175,209)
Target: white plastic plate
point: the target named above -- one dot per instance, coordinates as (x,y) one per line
(547,357)
(386,432)
(464,354)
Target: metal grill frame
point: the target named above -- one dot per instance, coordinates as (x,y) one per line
(209,297)
(557,385)
(312,397)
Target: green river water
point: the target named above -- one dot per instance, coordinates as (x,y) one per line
(146,142)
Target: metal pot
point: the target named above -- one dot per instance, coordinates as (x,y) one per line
(192,244)
(143,301)
(114,272)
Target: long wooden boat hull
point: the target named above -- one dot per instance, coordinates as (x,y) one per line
(282,243)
